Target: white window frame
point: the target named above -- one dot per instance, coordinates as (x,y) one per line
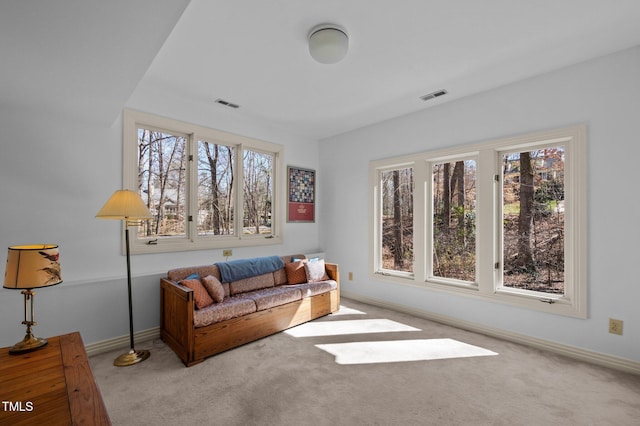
(377,213)
(489,222)
(431,278)
(192,241)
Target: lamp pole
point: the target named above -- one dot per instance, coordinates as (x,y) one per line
(126,233)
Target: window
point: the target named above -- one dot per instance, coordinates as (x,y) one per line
(162,181)
(258,187)
(503,220)
(453,215)
(395,221)
(205,188)
(533,220)
(215,188)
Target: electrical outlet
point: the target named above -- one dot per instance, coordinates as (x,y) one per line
(227,252)
(615,326)
(350,276)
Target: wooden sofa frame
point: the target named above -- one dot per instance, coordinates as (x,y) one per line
(193,345)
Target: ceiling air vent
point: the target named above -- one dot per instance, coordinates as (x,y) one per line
(226,103)
(433,95)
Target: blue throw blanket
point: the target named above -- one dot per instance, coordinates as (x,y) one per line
(244,268)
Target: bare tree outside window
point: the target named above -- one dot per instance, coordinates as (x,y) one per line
(215,189)
(397,219)
(162,182)
(258,192)
(454,220)
(533,220)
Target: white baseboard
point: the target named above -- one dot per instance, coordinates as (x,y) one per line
(121,342)
(605,360)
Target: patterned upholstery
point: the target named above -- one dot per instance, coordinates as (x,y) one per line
(312,289)
(253,283)
(231,307)
(182,273)
(295,272)
(214,288)
(270,297)
(200,295)
(280,276)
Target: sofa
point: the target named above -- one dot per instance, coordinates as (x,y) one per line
(208,309)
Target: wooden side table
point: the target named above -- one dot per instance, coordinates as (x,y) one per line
(52,386)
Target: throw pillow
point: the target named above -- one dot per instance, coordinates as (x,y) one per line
(200,295)
(214,288)
(315,271)
(295,272)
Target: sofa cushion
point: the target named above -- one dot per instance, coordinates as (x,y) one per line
(295,272)
(251,284)
(214,288)
(280,276)
(178,274)
(315,271)
(312,289)
(231,307)
(200,295)
(276,296)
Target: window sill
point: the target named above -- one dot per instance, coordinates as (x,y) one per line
(536,302)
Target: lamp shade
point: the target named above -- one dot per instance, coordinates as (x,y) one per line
(328,43)
(32,266)
(124,204)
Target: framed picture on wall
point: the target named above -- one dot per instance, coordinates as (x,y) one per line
(301,194)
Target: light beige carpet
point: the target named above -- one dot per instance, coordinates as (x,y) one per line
(402,370)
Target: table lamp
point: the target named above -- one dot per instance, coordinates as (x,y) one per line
(29,267)
(127,206)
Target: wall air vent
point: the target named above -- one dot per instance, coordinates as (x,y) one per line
(433,95)
(226,103)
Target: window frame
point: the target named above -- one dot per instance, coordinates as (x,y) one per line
(377,212)
(488,287)
(192,241)
(430,244)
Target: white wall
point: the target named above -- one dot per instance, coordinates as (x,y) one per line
(604,94)
(56,173)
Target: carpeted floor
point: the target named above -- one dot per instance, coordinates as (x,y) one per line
(393,369)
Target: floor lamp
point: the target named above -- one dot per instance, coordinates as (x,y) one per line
(127,206)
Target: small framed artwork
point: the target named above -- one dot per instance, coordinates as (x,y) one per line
(301,198)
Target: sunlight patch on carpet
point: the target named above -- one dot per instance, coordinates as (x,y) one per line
(402,351)
(336,328)
(347,311)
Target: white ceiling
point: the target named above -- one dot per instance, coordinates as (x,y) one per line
(254,52)
(80,58)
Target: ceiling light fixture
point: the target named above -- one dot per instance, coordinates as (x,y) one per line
(328,43)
